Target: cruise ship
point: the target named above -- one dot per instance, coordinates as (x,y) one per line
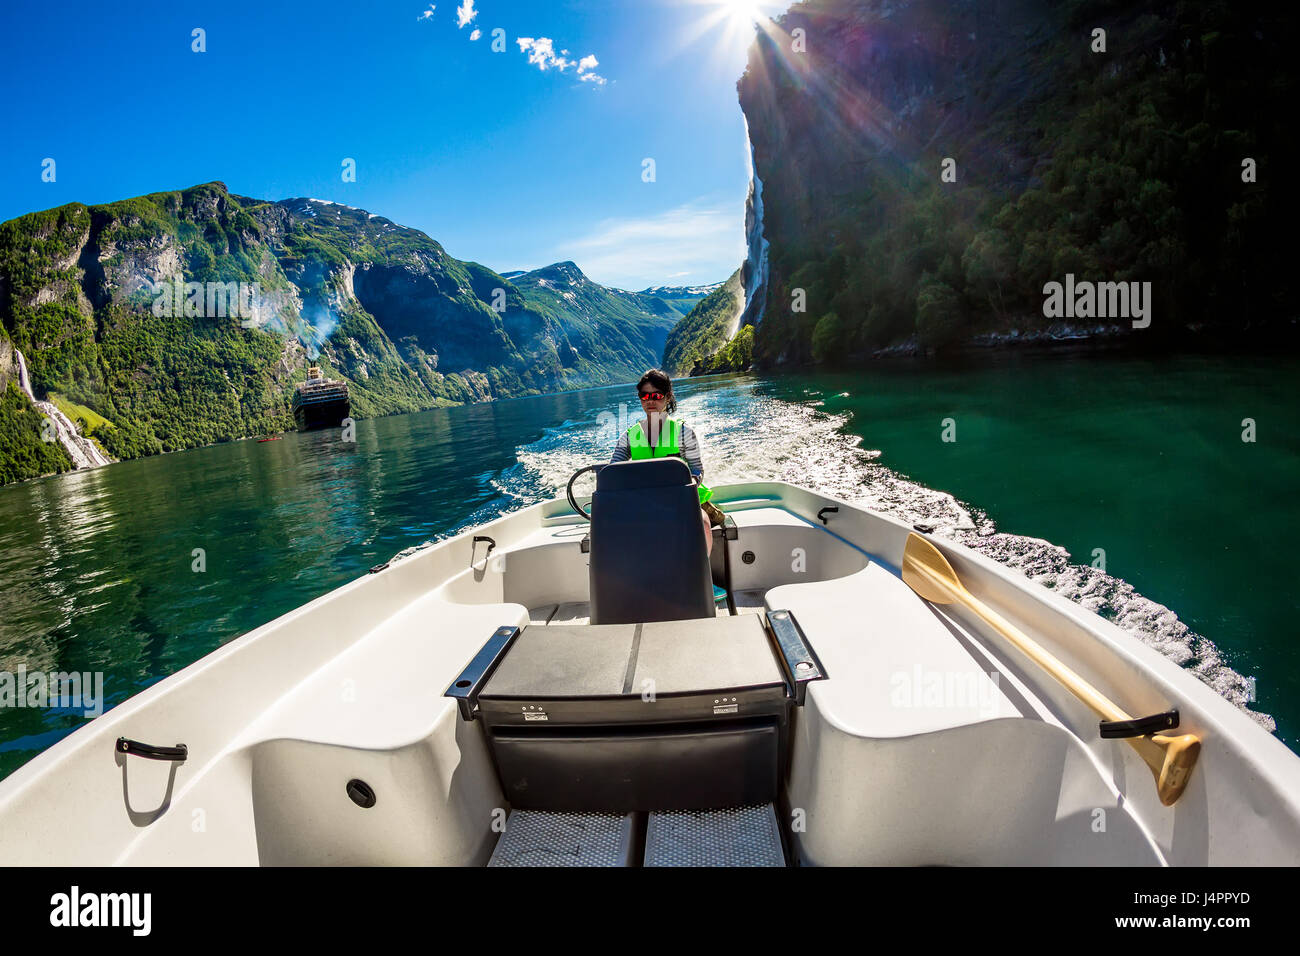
(320,402)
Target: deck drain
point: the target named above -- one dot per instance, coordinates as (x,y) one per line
(362,794)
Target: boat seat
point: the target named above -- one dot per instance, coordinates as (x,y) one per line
(662,716)
(644,510)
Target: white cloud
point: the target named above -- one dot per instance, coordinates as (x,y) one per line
(541,53)
(585,67)
(636,253)
(465,13)
(427,14)
(476,34)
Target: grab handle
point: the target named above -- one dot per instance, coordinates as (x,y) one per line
(1140,726)
(151,752)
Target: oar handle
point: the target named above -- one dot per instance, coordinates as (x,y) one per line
(1099,702)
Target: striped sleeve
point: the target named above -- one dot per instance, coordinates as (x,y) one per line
(691,452)
(622,451)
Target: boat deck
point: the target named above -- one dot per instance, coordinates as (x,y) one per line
(929,743)
(904,667)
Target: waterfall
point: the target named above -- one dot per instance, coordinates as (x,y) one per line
(23,382)
(755,273)
(83,452)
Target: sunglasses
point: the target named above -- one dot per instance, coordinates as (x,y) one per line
(652,396)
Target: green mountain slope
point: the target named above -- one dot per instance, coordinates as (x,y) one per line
(378,304)
(581,310)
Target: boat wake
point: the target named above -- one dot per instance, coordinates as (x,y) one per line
(747,436)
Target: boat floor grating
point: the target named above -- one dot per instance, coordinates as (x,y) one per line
(739,836)
(735,836)
(536,838)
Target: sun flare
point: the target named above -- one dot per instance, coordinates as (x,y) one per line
(743,12)
(729,26)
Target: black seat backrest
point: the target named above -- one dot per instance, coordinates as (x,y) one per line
(648,557)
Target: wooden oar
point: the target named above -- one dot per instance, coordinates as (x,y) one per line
(927,572)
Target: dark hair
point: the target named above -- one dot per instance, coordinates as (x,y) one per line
(660,380)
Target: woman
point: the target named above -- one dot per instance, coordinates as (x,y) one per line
(660,436)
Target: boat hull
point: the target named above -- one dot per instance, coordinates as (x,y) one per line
(325,414)
(931,742)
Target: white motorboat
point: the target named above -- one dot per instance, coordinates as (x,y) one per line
(545,690)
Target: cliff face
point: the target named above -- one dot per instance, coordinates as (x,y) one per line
(97,300)
(706,329)
(8,362)
(1122,165)
(756,269)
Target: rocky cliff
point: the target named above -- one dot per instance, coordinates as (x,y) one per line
(927,166)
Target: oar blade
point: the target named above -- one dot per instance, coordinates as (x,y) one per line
(1180,757)
(927,572)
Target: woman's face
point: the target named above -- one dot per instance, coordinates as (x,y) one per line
(649,401)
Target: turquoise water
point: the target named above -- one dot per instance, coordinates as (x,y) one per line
(1138,461)
(1142,459)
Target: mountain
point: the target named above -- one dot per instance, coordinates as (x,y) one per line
(623,326)
(682,291)
(86,296)
(680,297)
(1154,152)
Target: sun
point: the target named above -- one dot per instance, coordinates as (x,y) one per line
(742,12)
(727,27)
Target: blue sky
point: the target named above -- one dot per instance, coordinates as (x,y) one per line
(500,160)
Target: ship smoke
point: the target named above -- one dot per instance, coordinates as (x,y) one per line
(322,321)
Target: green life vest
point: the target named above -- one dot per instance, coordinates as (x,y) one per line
(670,433)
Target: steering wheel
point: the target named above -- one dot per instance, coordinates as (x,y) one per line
(569,490)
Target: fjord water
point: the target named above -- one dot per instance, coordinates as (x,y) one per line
(142,567)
